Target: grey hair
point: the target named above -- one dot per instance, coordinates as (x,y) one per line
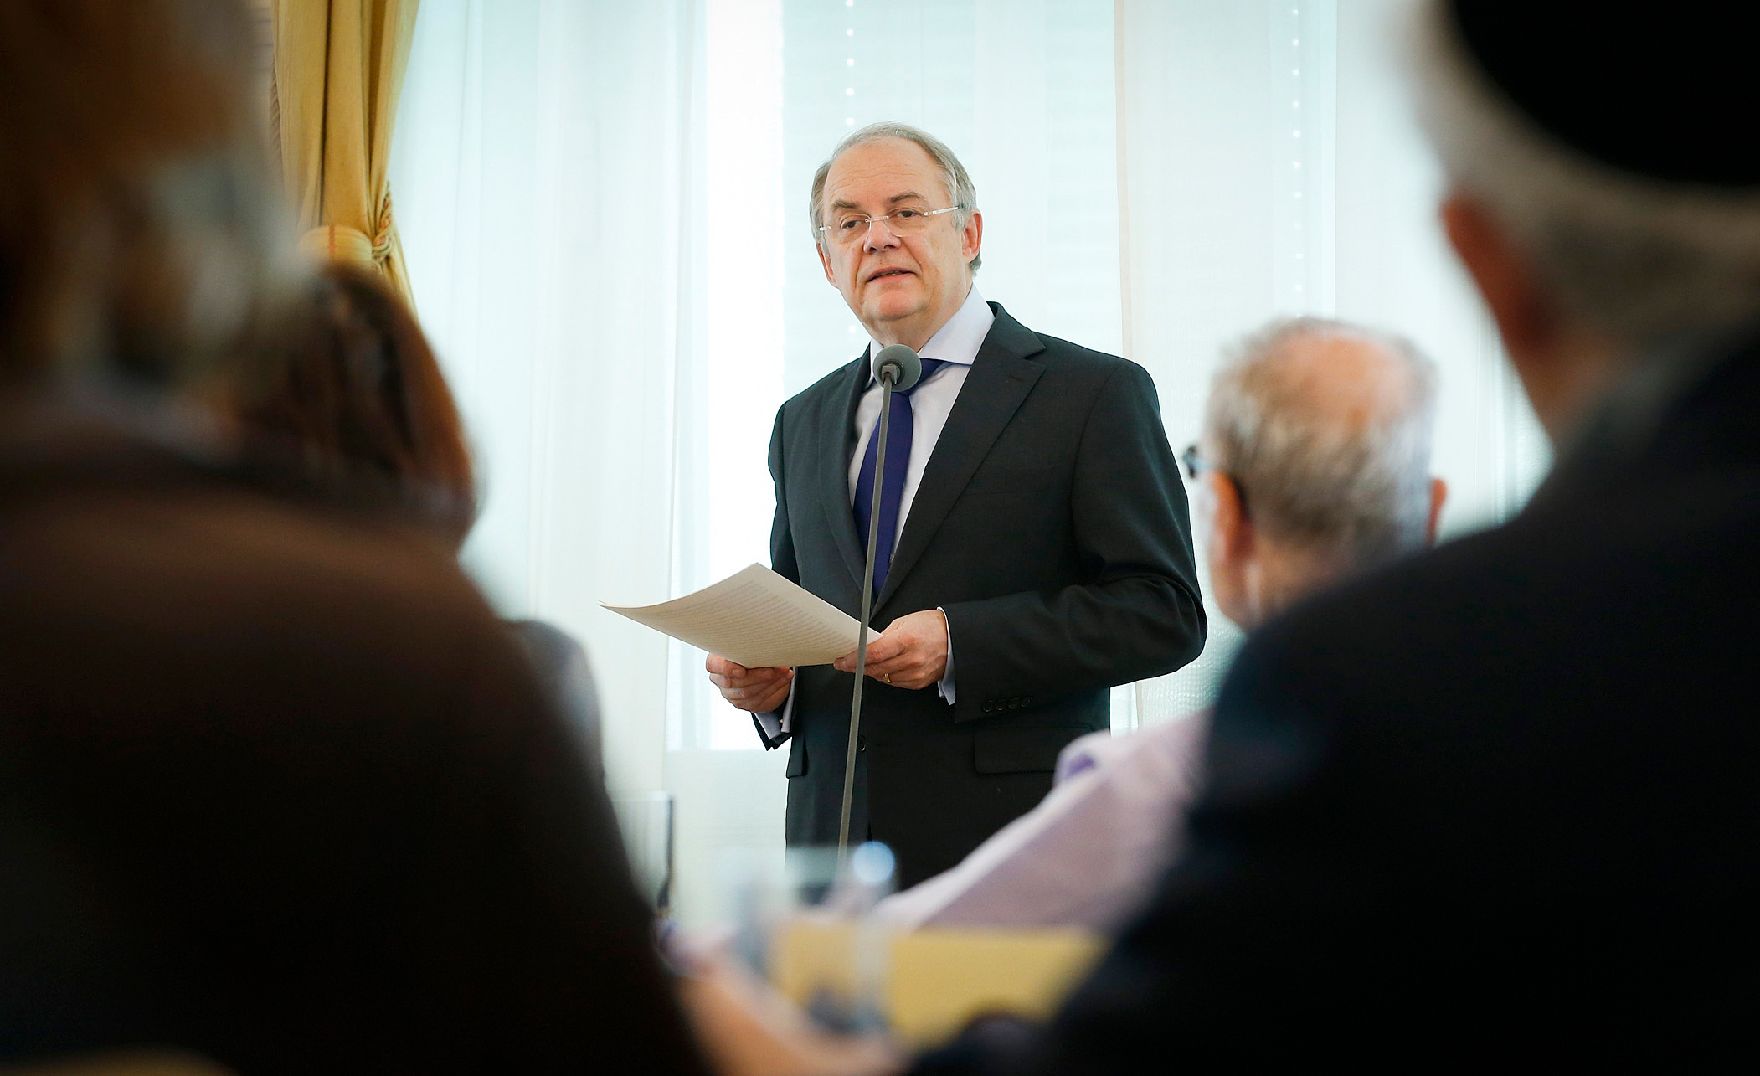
(1344,481)
(959,182)
(1633,258)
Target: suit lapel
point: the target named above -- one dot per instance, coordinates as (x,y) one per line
(1001,377)
(837,440)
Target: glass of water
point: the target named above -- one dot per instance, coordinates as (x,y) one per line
(805,928)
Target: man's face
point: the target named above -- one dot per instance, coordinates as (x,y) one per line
(901,287)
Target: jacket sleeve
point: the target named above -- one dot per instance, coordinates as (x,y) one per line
(782,562)
(782,559)
(1135,612)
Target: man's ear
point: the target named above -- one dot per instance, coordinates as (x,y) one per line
(825,264)
(1231,532)
(1525,317)
(1561,363)
(1438,496)
(972,239)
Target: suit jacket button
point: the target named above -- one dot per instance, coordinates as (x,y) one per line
(861,743)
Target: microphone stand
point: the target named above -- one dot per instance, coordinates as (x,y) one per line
(887,376)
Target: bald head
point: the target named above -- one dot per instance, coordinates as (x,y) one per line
(1325,428)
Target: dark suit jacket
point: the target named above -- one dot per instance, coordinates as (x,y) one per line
(1051,526)
(277,788)
(1497,802)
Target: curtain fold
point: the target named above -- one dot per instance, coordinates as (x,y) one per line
(569,344)
(338,68)
(1269,166)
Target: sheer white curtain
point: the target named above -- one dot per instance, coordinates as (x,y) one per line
(1269,167)
(604,210)
(545,181)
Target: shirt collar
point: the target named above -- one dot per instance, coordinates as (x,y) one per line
(958,340)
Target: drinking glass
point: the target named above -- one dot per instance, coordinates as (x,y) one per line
(805,927)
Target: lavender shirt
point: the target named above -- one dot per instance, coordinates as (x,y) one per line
(1088,853)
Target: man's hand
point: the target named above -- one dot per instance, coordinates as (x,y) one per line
(758,691)
(910,653)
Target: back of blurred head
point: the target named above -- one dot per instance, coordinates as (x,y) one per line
(1604,217)
(353,390)
(139,236)
(1316,462)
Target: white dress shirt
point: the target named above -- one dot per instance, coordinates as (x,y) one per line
(955,343)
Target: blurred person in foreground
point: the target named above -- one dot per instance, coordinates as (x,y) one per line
(1497,802)
(1314,464)
(356,398)
(275,786)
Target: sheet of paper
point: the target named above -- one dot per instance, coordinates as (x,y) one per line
(754,617)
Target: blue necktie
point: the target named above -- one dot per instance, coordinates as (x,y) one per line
(898,457)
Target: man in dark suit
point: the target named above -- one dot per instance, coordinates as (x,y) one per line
(1500,801)
(1033,547)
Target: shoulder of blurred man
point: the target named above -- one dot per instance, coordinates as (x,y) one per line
(565,672)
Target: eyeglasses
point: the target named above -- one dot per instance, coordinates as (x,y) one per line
(849,228)
(1194,463)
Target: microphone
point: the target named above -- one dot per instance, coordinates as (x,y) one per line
(899,366)
(898,369)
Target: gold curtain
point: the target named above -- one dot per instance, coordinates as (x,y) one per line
(338,68)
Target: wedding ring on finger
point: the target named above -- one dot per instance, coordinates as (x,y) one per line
(886,678)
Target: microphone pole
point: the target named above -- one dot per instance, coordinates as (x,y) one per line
(897,368)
